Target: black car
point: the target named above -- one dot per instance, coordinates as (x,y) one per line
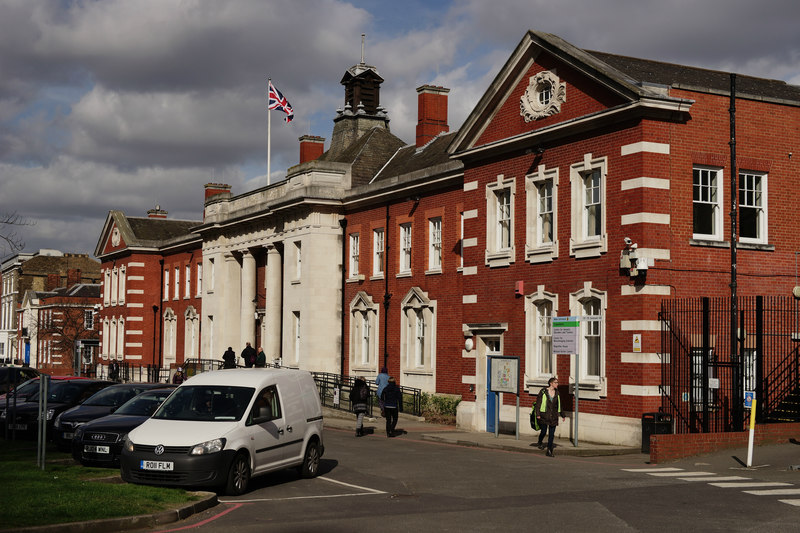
(22,420)
(100,404)
(11,376)
(99,442)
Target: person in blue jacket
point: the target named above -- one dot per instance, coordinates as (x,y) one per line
(381,381)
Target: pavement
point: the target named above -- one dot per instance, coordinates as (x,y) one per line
(421,429)
(778,461)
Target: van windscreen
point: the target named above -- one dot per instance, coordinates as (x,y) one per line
(206,402)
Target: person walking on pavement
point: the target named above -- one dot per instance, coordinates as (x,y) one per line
(261,358)
(359,395)
(229,358)
(179,377)
(548,409)
(392,400)
(381,381)
(113,370)
(249,356)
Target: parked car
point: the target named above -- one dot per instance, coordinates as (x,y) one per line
(25,390)
(11,376)
(220,428)
(99,442)
(62,395)
(99,404)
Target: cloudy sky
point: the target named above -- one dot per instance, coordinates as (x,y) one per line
(125,104)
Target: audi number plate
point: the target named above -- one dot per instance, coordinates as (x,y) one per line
(155,465)
(69,436)
(91,448)
(18,427)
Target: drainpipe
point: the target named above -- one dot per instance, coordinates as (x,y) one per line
(343,224)
(160,312)
(386,295)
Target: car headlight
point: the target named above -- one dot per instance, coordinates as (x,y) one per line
(127,444)
(78,432)
(57,423)
(205,448)
(50,413)
(3,413)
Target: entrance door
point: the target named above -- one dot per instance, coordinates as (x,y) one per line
(492,348)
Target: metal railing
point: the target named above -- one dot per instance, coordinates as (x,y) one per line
(334,391)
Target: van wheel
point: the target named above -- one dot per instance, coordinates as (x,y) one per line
(310,466)
(239,475)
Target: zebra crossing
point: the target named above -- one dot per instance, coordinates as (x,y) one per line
(746,484)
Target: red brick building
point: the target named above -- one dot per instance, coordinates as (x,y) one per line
(152,275)
(583,184)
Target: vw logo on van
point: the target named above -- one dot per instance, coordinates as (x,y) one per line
(159,449)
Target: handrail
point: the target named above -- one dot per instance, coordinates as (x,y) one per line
(328,384)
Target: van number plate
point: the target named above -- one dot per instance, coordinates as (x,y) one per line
(155,465)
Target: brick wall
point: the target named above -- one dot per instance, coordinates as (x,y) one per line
(665,448)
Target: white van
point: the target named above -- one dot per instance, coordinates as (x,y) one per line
(220,428)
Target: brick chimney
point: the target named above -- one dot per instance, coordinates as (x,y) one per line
(73,276)
(213,189)
(53,281)
(156,213)
(432,113)
(311,147)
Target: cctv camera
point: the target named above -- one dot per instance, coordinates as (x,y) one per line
(628,241)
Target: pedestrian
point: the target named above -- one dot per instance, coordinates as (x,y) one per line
(179,376)
(359,395)
(249,356)
(381,381)
(548,409)
(261,358)
(113,370)
(392,404)
(229,358)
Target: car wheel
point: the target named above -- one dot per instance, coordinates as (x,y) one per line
(238,476)
(310,466)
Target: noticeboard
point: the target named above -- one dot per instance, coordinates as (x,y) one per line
(504,373)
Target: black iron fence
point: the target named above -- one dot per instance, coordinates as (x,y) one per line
(334,391)
(703,378)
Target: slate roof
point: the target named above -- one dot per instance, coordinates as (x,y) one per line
(682,76)
(160,229)
(367,155)
(412,159)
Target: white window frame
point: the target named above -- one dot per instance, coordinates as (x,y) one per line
(199,278)
(170,338)
(296,339)
(123,284)
(753,197)
(406,243)
(435,244)
(708,192)
(177,293)
(499,221)
(114,285)
(166,283)
(212,275)
(582,243)
(418,333)
(364,344)
(191,333)
(538,326)
(355,254)
(378,248)
(537,248)
(187,282)
(595,386)
(298,259)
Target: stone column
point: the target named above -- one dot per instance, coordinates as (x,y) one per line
(248,304)
(231,295)
(272,316)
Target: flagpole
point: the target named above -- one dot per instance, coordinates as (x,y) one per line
(269,134)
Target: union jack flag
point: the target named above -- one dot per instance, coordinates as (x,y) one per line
(279,102)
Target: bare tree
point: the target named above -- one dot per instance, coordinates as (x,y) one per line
(65,322)
(7,222)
